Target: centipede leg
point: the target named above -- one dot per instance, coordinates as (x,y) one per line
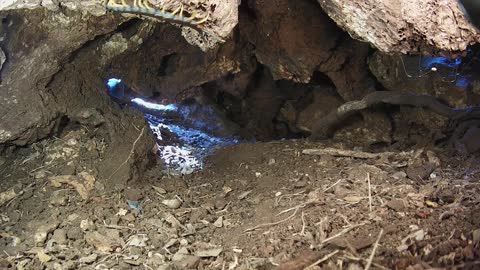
(147,5)
(203,20)
(177,10)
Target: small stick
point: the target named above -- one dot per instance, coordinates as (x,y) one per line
(336,183)
(369,192)
(273,223)
(370,259)
(344,231)
(132,151)
(328,256)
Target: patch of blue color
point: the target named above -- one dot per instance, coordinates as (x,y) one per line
(462,82)
(153,106)
(433,61)
(113,82)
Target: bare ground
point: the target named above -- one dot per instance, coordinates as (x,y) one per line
(254,206)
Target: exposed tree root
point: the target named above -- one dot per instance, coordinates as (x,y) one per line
(326,127)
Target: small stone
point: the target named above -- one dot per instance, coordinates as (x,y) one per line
(271,161)
(135,250)
(244,194)
(59,198)
(172,204)
(87,225)
(476,236)
(133,194)
(69,169)
(40,175)
(186,261)
(397,205)
(100,242)
(129,217)
(43,231)
(74,233)
(43,257)
(399,175)
(300,184)
(219,222)
(159,190)
(89,259)
(257,174)
(60,236)
(220,203)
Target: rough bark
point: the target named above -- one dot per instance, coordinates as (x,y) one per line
(405,26)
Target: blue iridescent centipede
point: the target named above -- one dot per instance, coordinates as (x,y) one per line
(143,7)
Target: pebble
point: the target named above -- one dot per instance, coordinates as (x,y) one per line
(43,230)
(220,203)
(74,233)
(87,225)
(186,261)
(60,236)
(397,205)
(59,198)
(172,204)
(89,259)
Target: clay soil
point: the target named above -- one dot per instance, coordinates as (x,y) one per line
(254,206)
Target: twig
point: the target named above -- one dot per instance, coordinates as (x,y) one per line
(132,151)
(273,223)
(355,258)
(369,192)
(370,259)
(290,209)
(344,231)
(346,153)
(328,256)
(336,183)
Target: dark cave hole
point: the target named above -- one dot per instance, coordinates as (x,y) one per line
(185,133)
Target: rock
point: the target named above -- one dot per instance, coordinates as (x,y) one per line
(100,242)
(59,198)
(398,205)
(87,225)
(42,174)
(219,222)
(476,236)
(209,253)
(399,175)
(133,194)
(220,203)
(139,240)
(172,204)
(300,183)
(89,259)
(60,236)
(420,172)
(470,140)
(43,230)
(186,261)
(165,267)
(412,27)
(75,233)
